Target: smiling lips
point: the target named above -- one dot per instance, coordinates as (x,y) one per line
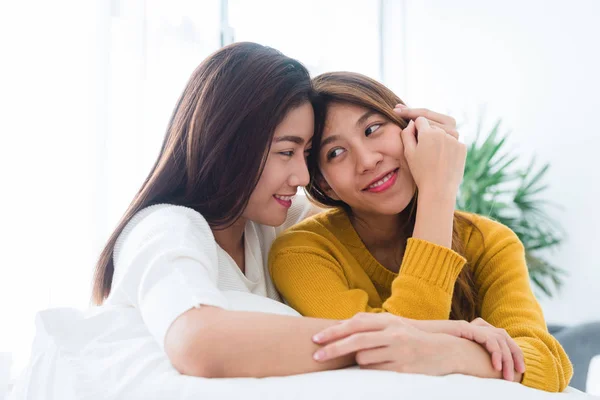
(382,183)
(284,200)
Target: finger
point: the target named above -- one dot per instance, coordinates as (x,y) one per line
(385,366)
(519,360)
(351,344)
(448,129)
(359,323)
(409,139)
(497,360)
(493,347)
(481,336)
(414,113)
(481,322)
(377,355)
(508,366)
(517,353)
(421,124)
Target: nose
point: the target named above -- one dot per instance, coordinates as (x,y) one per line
(299,175)
(367,159)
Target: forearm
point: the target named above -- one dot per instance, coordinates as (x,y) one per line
(315,286)
(448,327)
(435,217)
(470,358)
(227,344)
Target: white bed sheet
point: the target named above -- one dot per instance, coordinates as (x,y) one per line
(109,354)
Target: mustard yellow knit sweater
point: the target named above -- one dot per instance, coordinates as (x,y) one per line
(323,269)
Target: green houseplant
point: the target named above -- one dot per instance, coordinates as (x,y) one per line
(496,187)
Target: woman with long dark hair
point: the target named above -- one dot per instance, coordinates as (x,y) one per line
(196,236)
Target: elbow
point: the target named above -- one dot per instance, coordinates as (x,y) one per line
(554,377)
(186,363)
(195,368)
(190,347)
(567,374)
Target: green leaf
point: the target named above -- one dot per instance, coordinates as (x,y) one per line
(494,186)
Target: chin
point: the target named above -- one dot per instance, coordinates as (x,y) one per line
(393,206)
(274,219)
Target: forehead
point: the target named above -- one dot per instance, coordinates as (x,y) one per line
(299,121)
(341,117)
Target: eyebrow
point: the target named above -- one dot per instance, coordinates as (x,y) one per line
(289,138)
(365,117)
(329,139)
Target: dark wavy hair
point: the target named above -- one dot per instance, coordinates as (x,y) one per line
(217,140)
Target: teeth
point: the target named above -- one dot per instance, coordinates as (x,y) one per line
(284,198)
(382,180)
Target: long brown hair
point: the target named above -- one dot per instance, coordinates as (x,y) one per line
(357,89)
(217,140)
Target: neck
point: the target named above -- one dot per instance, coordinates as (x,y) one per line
(379,231)
(231,239)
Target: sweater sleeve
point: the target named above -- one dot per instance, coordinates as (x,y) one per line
(507,302)
(311,273)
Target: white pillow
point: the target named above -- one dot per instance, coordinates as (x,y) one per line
(109,354)
(593,378)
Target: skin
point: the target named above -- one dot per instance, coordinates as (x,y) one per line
(285,170)
(359,148)
(199,342)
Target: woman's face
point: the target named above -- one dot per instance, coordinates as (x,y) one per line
(362,161)
(284,170)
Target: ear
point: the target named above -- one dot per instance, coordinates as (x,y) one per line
(322,182)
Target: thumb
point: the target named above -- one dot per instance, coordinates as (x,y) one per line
(409,138)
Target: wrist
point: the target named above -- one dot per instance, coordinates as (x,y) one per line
(435,218)
(436,196)
(455,363)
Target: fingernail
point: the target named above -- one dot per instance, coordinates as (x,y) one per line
(319,355)
(401,106)
(318,337)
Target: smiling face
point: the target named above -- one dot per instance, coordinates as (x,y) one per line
(285,168)
(362,161)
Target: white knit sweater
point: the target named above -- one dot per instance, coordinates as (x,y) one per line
(167,261)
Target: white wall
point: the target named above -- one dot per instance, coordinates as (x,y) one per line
(86,97)
(535,64)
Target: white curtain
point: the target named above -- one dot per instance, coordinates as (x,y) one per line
(87,89)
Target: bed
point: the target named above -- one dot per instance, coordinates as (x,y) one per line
(107,353)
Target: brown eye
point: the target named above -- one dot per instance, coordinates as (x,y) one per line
(334,153)
(371,129)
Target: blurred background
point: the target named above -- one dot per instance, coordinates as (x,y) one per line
(87,88)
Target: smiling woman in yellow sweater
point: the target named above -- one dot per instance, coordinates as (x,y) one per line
(394,246)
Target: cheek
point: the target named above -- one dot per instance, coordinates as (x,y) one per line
(339,177)
(267,183)
(395,140)
(394,146)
